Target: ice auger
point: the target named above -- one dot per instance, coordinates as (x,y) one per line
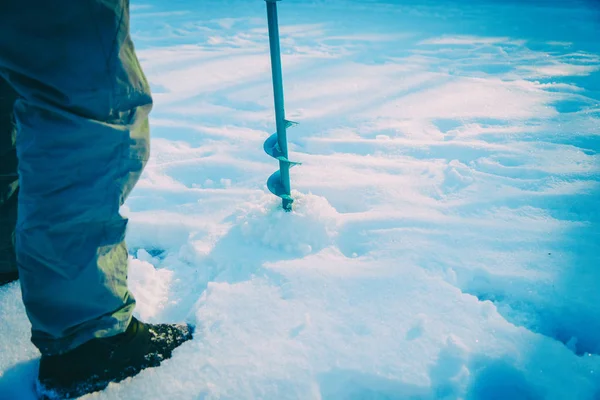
(276,144)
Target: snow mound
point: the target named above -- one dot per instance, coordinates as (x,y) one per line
(309,227)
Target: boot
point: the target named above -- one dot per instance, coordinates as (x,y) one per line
(93,365)
(8,277)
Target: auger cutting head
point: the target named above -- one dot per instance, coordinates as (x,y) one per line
(276,144)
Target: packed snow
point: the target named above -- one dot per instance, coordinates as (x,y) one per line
(445,238)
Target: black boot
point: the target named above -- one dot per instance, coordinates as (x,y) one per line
(8,277)
(93,365)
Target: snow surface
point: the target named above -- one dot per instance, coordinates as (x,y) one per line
(445,239)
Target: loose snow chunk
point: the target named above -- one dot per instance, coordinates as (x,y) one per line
(311,225)
(150,287)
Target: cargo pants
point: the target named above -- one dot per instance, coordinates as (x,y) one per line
(74,139)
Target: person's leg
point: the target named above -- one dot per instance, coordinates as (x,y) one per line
(9,185)
(82,143)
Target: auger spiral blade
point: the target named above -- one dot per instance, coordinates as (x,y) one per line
(276,144)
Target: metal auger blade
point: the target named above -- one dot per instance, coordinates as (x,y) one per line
(271,145)
(276,144)
(276,187)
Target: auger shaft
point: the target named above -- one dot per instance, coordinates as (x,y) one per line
(282,124)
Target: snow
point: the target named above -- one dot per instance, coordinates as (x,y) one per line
(444,242)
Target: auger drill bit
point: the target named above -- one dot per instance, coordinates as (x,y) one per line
(276,144)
